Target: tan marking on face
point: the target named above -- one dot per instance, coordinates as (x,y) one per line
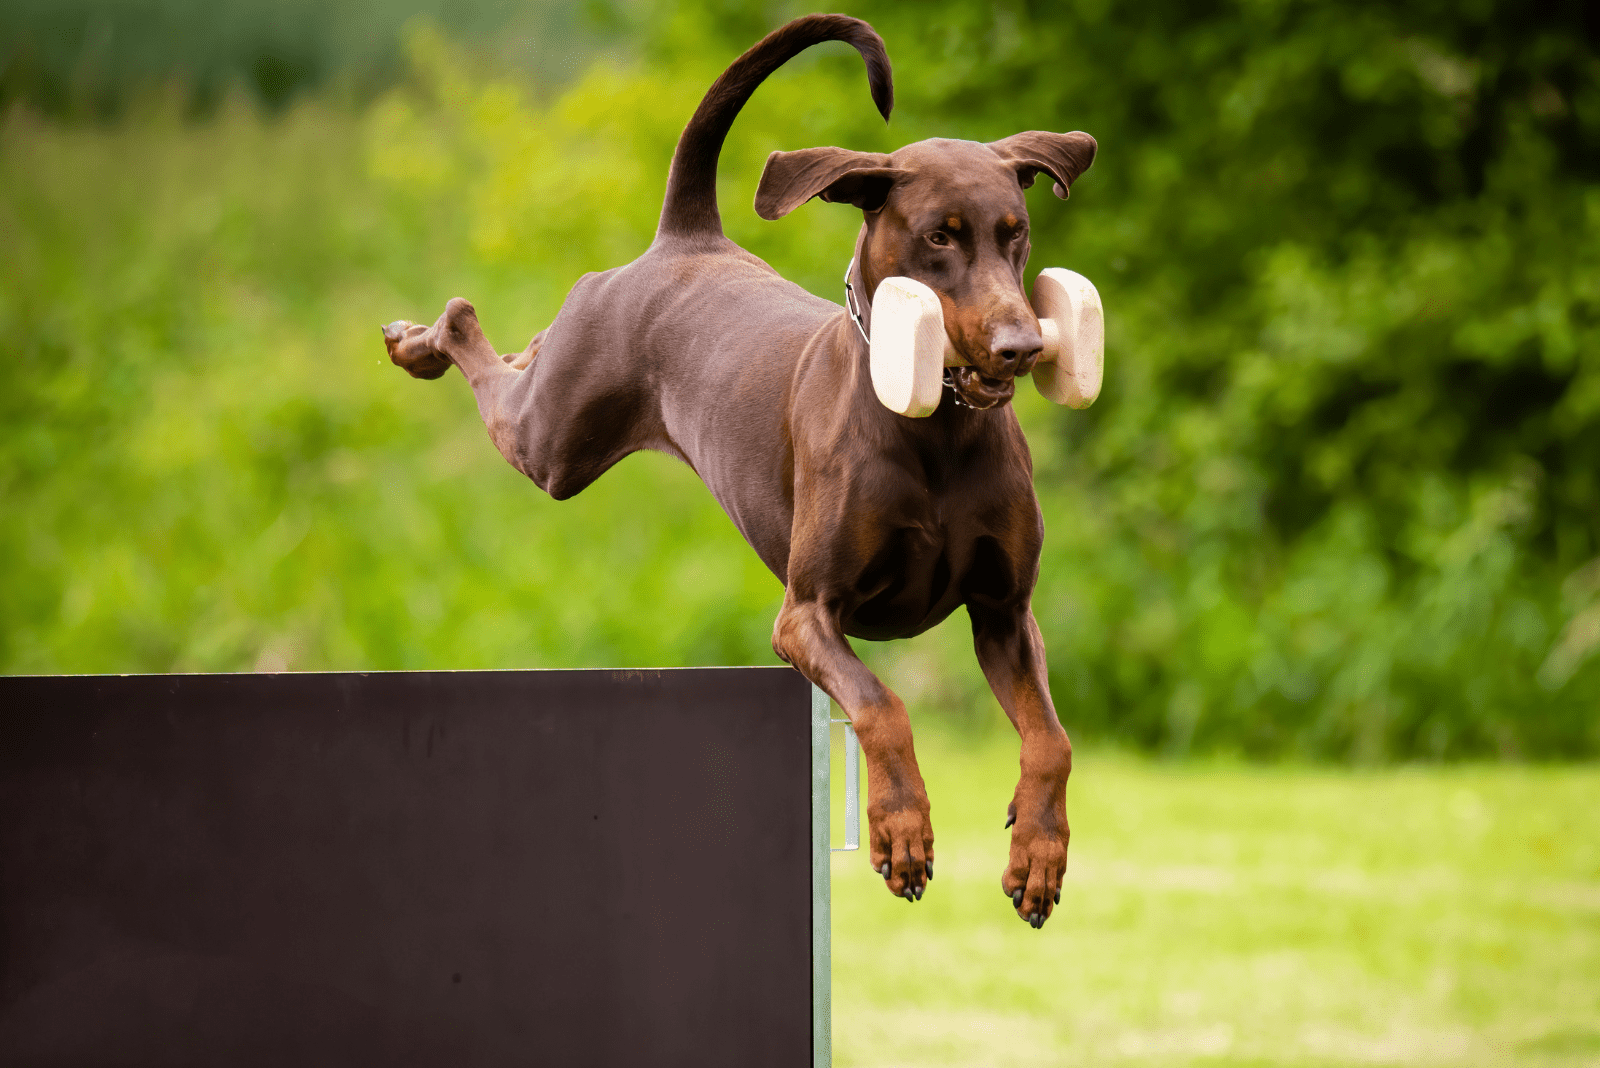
(953,222)
(1010,221)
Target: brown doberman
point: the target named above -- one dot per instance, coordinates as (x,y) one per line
(878,525)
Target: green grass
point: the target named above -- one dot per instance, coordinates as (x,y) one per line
(1227,914)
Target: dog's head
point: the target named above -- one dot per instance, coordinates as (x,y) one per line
(950,214)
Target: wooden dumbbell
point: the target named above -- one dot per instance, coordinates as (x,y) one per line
(910,348)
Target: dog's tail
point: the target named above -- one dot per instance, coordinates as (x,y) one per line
(691,202)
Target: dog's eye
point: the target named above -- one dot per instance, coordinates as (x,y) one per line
(940,238)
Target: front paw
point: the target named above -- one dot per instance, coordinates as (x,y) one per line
(1038,865)
(902,848)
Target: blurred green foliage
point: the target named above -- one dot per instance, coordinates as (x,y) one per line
(90,58)
(1340,496)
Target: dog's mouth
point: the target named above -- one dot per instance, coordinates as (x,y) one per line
(975,389)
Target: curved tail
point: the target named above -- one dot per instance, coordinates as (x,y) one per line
(691,202)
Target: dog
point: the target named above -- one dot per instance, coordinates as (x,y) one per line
(878,525)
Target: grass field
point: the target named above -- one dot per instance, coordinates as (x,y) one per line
(1226,914)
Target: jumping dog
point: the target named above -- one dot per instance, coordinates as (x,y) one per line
(879,525)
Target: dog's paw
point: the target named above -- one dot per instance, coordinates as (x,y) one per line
(1038,865)
(411,348)
(902,848)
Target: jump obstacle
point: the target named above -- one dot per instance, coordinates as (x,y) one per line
(566,868)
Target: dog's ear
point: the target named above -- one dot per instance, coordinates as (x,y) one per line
(1062,156)
(837,175)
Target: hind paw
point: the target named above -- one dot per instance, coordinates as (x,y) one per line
(411,348)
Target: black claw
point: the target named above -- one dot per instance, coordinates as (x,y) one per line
(884,871)
(919,893)
(1058,897)
(929,866)
(906,893)
(1011,817)
(1016,899)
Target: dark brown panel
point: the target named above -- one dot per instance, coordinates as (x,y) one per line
(462,868)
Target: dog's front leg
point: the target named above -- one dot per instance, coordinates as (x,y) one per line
(809,636)
(1011,653)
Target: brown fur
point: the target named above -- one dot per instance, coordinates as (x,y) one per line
(879,526)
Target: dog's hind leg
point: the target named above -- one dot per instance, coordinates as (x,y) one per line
(455,338)
(519,361)
(562,438)
(810,637)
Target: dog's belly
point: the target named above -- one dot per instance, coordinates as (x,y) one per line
(881,620)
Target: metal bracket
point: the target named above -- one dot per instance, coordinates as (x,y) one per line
(852,789)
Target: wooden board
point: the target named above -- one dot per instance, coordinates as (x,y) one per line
(455,868)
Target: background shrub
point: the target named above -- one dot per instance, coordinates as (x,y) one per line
(1340,496)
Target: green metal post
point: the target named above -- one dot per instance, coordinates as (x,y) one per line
(821,886)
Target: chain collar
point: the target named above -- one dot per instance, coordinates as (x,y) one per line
(850,301)
(950,384)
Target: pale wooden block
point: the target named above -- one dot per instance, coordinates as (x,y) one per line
(1072,364)
(908,347)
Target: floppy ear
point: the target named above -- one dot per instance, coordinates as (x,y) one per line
(835,174)
(1061,156)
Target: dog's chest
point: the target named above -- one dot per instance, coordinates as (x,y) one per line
(924,554)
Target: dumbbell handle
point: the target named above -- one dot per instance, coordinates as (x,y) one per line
(1049,330)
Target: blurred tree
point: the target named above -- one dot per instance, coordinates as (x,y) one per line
(1348,452)
(90,58)
(1340,495)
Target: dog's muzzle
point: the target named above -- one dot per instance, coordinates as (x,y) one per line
(910,348)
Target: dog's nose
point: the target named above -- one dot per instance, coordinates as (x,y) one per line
(1016,348)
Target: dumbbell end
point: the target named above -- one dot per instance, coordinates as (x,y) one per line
(1072,323)
(907,347)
